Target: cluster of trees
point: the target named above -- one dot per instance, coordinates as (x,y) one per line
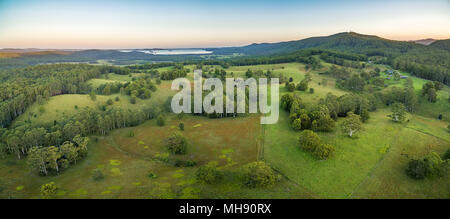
(322,117)
(178,71)
(24,136)
(343,59)
(19,88)
(252,175)
(427,63)
(301,86)
(214,73)
(431,165)
(430,89)
(141,87)
(310,142)
(50,159)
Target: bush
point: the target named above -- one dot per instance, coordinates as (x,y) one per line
(258,174)
(208,173)
(303,85)
(290,87)
(417,169)
(117,99)
(309,140)
(431,165)
(184,163)
(181,126)
(160,121)
(311,90)
(446,155)
(324,151)
(49,190)
(286,101)
(109,102)
(97,175)
(152,175)
(176,143)
(133,100)
(297,124)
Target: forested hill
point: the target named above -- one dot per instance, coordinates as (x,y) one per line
(441,44)
(347,41)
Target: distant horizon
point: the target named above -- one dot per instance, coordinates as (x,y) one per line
(120,24)
(210,47)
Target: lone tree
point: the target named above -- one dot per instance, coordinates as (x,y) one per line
(398,112)
(176,143)
(352,124)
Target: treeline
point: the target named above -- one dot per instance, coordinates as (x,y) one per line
(323,116)
(302,56)
(22,87)
(25,138)
(426,63)
(178,71)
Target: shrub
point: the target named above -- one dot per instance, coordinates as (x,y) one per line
(297,124)
(286,101)
(303,85)
(49,190)
(160,121)
(324,151)
(435,164)
(176,143)
(117,99)
(133,100)
(311,90)
(258,174)
(309,140)
(184,163)
(208,173)
(152,175)
(109,102)
(97,175)
(417,169)
(131,134)
(181,126)
(290,87)
(446,155)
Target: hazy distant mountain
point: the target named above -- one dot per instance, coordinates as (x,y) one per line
(347,41)
(425,42)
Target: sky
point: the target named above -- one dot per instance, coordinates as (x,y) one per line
(102,24)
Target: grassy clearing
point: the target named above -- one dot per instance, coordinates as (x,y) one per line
(58,107)
(355,158)
(127,162)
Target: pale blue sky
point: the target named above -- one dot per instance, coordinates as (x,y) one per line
(202,23)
